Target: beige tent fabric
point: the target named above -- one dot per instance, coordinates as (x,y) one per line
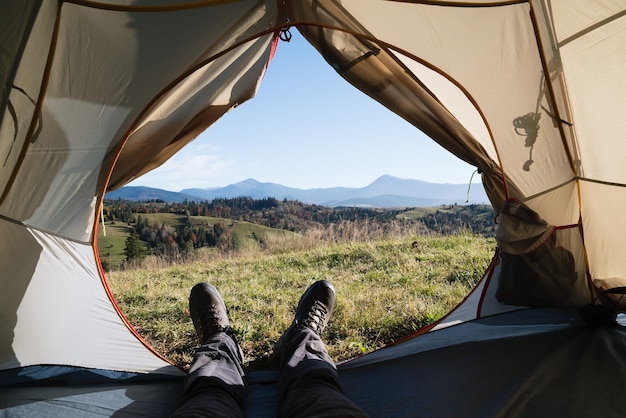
(169,126)
(23,61)
(226,73)
(591,38)
(15,21)
(95,94)
(55,310)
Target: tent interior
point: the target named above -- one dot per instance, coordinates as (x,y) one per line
(530,92)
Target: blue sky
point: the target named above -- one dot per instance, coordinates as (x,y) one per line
(307,128)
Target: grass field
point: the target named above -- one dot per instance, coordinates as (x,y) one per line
(386,289)
(111,242)
(246,236)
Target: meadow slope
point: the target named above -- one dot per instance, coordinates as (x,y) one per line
(387,288)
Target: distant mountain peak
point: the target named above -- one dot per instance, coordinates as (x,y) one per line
(388,177)
(249,181)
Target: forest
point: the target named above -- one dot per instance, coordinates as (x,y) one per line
(207,223)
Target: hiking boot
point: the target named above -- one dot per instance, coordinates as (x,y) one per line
(315,306)
(313,312)
(207,311)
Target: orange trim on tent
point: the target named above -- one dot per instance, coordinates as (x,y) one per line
(486,277)
(94,241)
(107,289)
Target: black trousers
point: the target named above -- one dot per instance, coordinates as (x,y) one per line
(308,380)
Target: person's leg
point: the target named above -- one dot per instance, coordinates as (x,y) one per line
(215,385)
(308,380)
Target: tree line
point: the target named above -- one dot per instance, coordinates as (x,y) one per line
(173,241)
(282,214)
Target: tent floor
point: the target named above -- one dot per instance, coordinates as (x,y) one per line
(573,371)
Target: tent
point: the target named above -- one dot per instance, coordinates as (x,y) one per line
(531,92)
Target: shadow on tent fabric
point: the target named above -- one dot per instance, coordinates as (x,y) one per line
(151,399)
(75,392)
(528,127)
(17,244)
(545,374)
(21,251)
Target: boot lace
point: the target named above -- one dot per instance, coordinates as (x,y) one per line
(316,317)
(210,319)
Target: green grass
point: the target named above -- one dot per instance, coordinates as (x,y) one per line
(386,290)
(246,236)
(249,236)
(171,219)
(111,246)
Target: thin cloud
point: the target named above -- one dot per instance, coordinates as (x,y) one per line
(194,166)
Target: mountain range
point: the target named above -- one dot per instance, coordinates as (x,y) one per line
(386,191)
